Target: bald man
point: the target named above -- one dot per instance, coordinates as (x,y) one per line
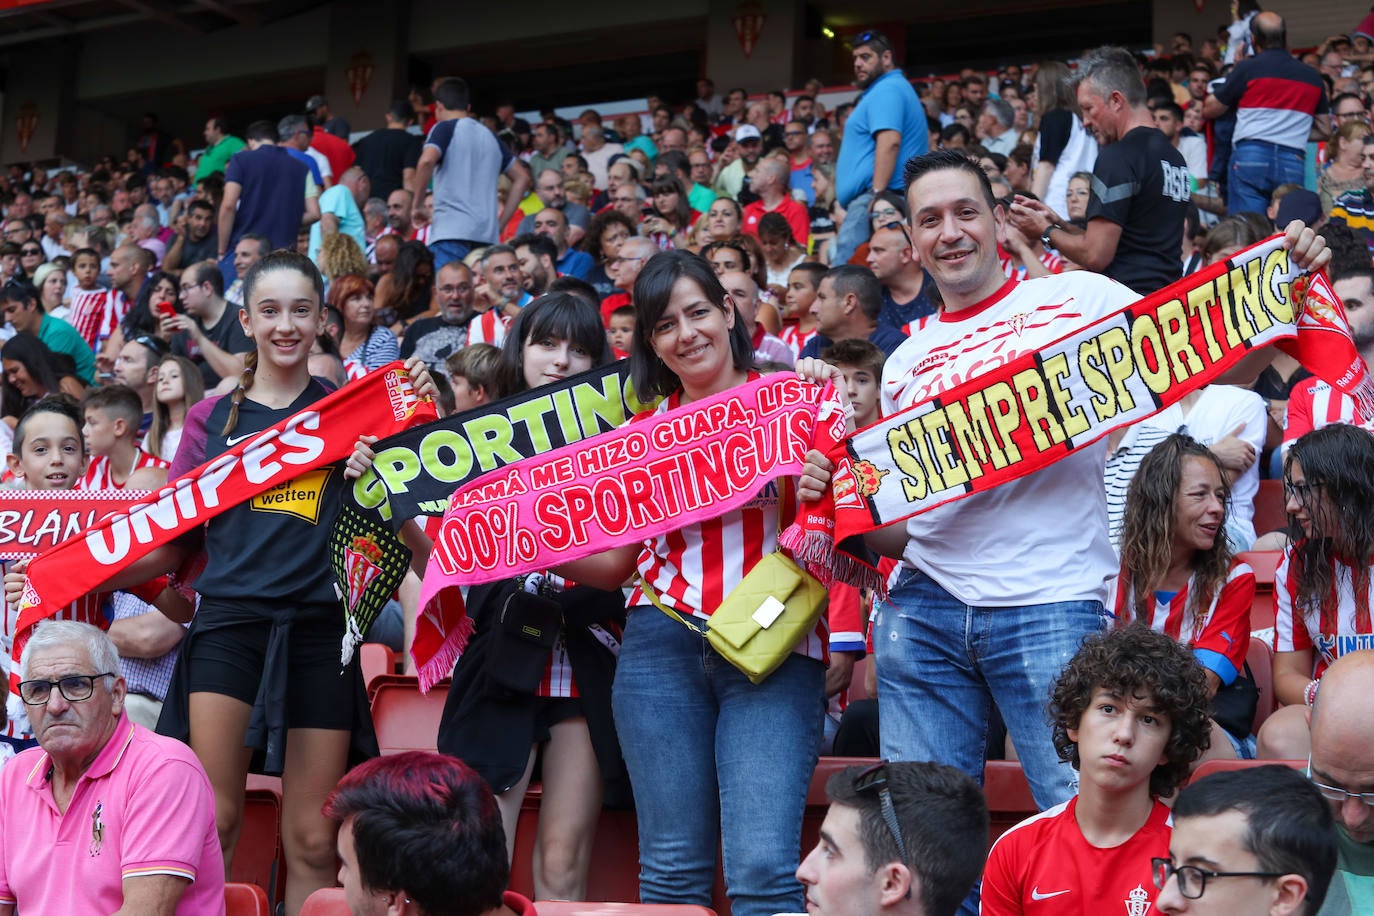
(769,181)
(745,293)
(1342,767)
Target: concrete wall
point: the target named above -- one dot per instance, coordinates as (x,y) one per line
(355,30)
(437,25)
(775,62)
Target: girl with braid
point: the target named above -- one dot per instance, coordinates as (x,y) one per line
(259,670)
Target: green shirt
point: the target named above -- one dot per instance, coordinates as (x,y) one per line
(1352,886)
(217,157)
(700,197)
(60,337)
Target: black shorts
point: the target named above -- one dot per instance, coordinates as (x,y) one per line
(229,657)
(552,710)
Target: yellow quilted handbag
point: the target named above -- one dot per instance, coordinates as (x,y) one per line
(764,617)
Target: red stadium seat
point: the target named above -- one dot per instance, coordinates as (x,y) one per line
(405,718)
(1264,563)
(376,660)
(327,901)
(615,852)
(569,908)
(245,900)
(258,857)
(1270,514)
(1008,795)
(1260,657)
(1218,766)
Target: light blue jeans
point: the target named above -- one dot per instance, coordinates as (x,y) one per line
(714,758)
(855,229)
(1257,168)
(942,664)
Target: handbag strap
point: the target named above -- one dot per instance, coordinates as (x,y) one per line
(649,593)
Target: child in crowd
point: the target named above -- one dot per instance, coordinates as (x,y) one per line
(112,414)
(861,364)
(180,387)
(1129,713)
(620,330)
(798,324)
(472,372)
(86,269)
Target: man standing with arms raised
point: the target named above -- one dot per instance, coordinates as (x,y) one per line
(886,128)
(464,159)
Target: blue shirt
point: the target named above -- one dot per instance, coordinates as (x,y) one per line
(272,199)
(575,264)
(310,163)
(338,201)
(889,103)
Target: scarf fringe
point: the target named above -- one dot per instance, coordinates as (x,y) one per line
(815,551)
(352,639)
(440,664)
(1364,396)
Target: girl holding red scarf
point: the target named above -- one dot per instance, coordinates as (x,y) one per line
(713,758)
(1323,584)
(259,668)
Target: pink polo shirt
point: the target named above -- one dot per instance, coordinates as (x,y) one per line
(143,808)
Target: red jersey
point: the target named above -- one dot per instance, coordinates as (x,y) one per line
(1347,624)
(96,313)
(1219,634)
(336,150)
(1045,866)
(98,476)
(1314,404)
(792,210)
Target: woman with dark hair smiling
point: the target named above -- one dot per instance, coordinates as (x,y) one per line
(742,754)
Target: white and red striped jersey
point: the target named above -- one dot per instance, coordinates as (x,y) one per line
(1014,271)
(1314,404)
(691,570)
(489,328)
(99,477)
(422,234)
(795,337)
(1219,635)
(1298,629)
(95,313)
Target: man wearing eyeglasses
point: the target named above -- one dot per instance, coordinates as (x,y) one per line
(1247,841)
(900,839)
(103,816)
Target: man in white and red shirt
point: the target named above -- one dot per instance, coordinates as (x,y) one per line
(1130,713)
(769,181)
(1313,403)
(112,415)
(1280,103)
(995,592)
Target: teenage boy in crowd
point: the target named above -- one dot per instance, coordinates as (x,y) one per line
(112,414)
(1130,714)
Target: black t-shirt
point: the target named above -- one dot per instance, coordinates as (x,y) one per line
(434,340)
(207,249)
(227,334)
(1055,129)
(384,155)
(1141,184)
(244,544)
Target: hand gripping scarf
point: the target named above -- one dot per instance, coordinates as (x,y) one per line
(384,401)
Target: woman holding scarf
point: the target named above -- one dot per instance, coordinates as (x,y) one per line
(713,758)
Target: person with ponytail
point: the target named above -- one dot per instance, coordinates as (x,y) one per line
(1178,575)
(1323,584)
(259,670)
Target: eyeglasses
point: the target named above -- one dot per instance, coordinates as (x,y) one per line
(74,688)
(1192,881)
(31,251)
(615,261)
(794,133)
(1303,491)
(1338,795)
(874,781)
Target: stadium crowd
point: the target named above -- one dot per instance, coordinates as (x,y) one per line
(1091,620)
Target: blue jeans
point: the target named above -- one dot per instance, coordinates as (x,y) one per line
(1257,168)
(226,268)
(941,665)
(714,758)
(855,229)
(446,251)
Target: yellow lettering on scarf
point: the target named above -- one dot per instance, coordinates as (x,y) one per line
(1199,298)
(901,442)
(951,470)
(1178,343)
(1279,306)
(1143,330)
(973,431)
(1091,369)
(1116,357)
(1073,418)
(1001,402)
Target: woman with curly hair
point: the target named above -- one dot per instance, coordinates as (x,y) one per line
(1322,587)
(408,291)
(340,255)
(1178,575)
(608,229)
(1129,713)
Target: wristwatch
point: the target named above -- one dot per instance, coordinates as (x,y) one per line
(1045,236)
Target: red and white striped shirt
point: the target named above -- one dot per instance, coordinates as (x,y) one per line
(693,569)
(1219,636)
(1299,629)
(1014,271)
(488,328)
(422,234)
(99,477)
(1314,404)
(795,337)
(95,313)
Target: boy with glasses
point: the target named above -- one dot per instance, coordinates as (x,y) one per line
(904,839)
(1130,714)
(1248,841)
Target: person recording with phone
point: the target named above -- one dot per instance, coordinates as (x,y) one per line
(209,333)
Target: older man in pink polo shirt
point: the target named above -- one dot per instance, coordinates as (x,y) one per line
(103,816)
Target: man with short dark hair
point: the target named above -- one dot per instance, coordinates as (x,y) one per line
(389,155)
(502,286)
(1258,840)
(265,191)
(1140,184)
(136,367)
(849,300)
(769,181)
(886,128)
(209,333)
(899,839)
(317,109)
(549,149)
(104,815)
(220,147)
(465,160)
(795,139)
(537,255)
(1280,103)
(197,241)
(553,225)
(251,249)
(420,833)
(548,187)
